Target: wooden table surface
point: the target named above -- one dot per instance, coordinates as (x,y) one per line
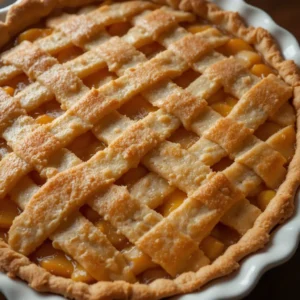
(282,282)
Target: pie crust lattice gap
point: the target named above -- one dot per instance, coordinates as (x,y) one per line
(51,211)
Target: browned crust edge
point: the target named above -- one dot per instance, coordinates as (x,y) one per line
(281,208)
(28,12)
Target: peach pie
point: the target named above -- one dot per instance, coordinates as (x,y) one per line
(146,147)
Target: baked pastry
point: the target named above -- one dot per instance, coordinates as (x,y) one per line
(145,149)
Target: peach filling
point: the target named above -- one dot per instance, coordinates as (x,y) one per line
(247,55)
(222,102)
(47,112)
(261,70)
(151,49)
(44,119)
(86,145)
(222,164)
(9,90)
(90,214)
(224,235)
(223,108)
(119,29)
(139,261)
(16,84)
(195,28)
(212,247)
(58,263)
(33,34)
(69,54)
(234,46)
(117,239)
(264,198)
(53,260)
(79,274)
(173,201)
(152,274)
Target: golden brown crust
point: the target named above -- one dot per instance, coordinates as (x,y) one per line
(280,208)
(31,11)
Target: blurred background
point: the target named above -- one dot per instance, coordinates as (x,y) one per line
(4,3)
(286,13)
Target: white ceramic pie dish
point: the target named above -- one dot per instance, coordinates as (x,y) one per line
(285,239)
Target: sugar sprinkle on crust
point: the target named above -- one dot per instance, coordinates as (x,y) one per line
(281,207)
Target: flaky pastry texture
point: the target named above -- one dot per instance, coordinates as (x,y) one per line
(28,12)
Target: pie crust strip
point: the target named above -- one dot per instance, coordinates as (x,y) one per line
(75,29)
(233,255)
(44,94)
(97,258)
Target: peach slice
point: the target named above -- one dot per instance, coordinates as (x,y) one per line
(195,28)
(53,260)
(261,70)
(264,198)
(80,274)
(33,34)
(234,46)
(138,260)
(173,201)
(117,239)
(212,247)
(9,90)
(44,119)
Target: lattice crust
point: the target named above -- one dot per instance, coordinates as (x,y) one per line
(51,211)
